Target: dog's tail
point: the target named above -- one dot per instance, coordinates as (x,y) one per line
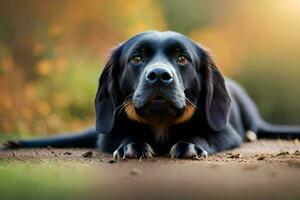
(267,130)
(253,121)
(84,139)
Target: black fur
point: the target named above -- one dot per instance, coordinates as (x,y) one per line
(186,77)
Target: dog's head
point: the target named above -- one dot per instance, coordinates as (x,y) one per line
(161,78)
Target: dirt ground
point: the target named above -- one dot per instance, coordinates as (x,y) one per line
(265,169)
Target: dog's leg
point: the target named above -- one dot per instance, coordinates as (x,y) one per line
(129,149)
(200,146)
(84,139)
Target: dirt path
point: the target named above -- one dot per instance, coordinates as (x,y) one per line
(266,169)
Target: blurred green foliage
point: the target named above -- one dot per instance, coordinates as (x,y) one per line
(47,180)
(51,55)
(52,52)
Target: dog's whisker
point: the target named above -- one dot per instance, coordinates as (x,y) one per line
(190,102)
(120,111)
(129,96)
(125,103)
(190,96)
(122,106)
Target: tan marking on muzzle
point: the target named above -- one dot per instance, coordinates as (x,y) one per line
(131,114)
(187,114)
(160,127)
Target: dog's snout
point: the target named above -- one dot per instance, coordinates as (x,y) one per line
(159,75)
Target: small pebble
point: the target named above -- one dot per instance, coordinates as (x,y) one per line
(88,154)
(251,136)
(67,153)
(297,153)
(135,172)
(112,161)
(261,158)
(284,153)
(237,155)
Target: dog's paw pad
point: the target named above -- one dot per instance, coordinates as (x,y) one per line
(134,151)
(187,151)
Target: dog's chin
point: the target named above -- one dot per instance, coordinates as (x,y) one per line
(159,111)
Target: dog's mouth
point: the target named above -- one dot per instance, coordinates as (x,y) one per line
(159,99)
(159,110)
(159,107)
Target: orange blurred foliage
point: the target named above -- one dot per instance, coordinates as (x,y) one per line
(244,28)
(51,54)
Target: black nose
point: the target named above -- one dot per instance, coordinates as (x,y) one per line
(160,75)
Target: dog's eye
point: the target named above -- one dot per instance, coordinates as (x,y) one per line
(136,60)
(182,60)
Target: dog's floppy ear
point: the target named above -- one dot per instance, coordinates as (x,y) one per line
(217,100)
(105,101)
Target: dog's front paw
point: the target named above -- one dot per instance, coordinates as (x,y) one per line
(187,150)
(134,151)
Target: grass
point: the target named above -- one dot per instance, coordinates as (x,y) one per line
(46,180)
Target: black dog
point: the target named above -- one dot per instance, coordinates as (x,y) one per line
(162,94)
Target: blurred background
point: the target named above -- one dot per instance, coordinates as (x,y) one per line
(52,52)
